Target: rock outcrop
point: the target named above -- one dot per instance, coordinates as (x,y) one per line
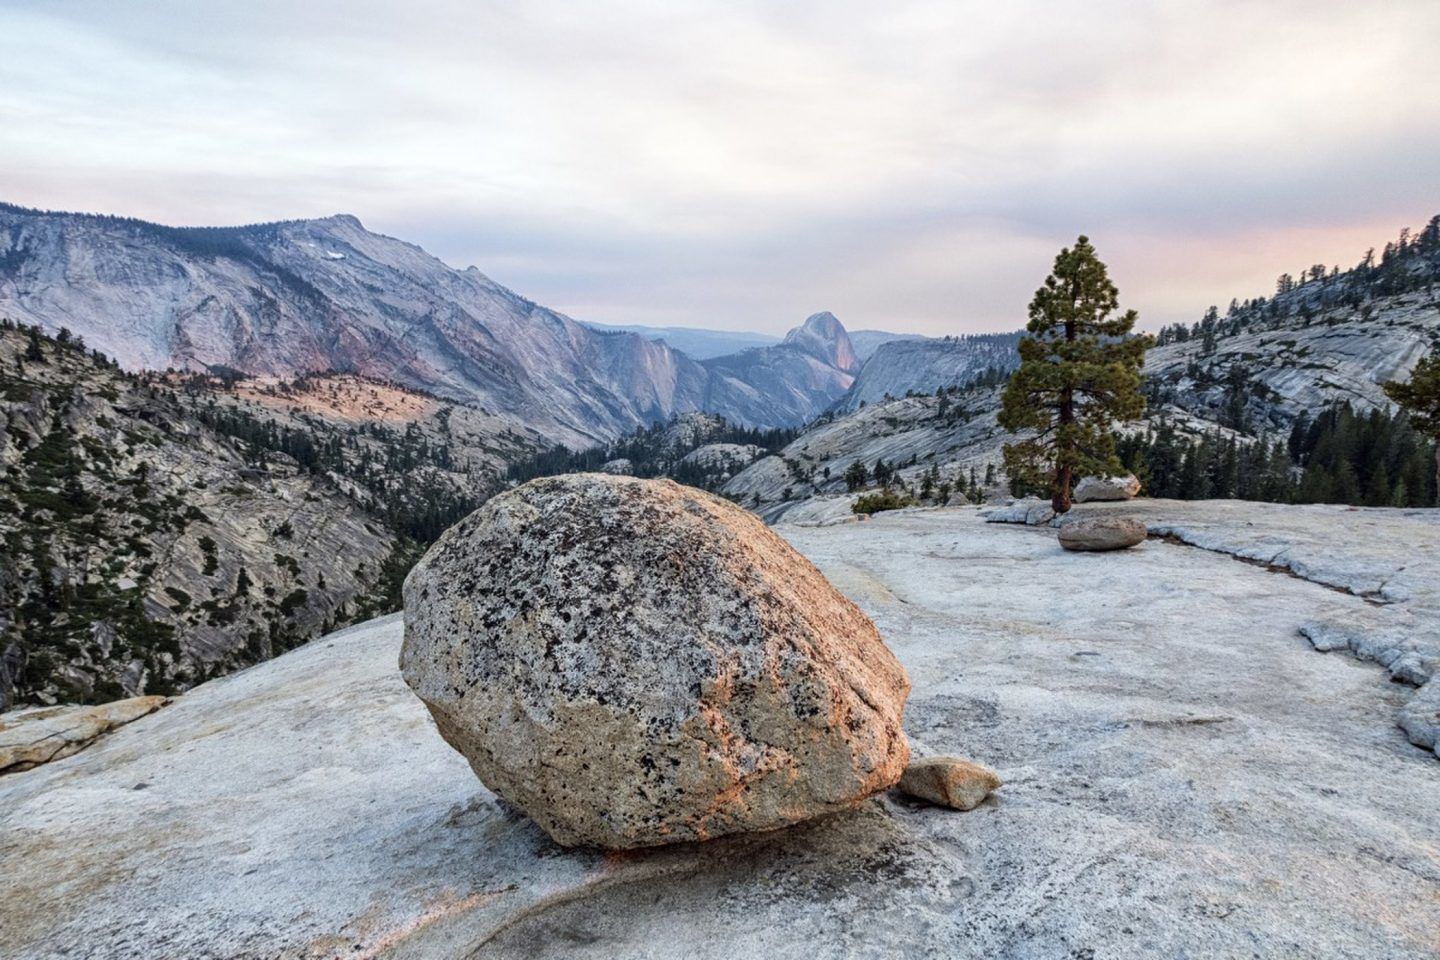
(949,782)
(1106,488)
(634,663)
(922,365)
(1420,717)
(1031,511)
(1101,533)
(29,738)
(165,553)
(1170,791)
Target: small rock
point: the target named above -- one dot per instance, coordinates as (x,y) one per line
(1106,488)
(949,782)
(619,467)
(633,662)
(1102,533)
(29,738)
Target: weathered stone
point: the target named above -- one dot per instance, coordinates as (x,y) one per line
(1106,488)
(949,782)
(1101,533)
(1031,511)
(620,467)
(633,662)
(29,738)
(1420,717)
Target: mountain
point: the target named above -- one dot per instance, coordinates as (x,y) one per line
(293,297)
(145,551)
(1288,386)
(161,528)
(866,342)
(696,342)
(705,344)
(789,383)
(922,365)
(699,449)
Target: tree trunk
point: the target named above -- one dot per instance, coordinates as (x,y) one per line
(1060,500)
(1060,503)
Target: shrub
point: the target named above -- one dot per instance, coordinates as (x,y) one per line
(884,500)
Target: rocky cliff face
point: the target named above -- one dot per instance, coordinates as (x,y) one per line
(415,461)
(1268,374)
(923,365)
(316,295)
(789,383)
(953,434)
(144,551)
(1259,371)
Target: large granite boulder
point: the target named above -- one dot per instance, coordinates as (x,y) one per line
(634,662)
(1102,533)
(1090,489)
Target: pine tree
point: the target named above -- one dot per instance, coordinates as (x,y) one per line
(33,351)
(1079,373)
(1421,397)
(856,476)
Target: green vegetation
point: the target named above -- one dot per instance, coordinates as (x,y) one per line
(1375,459)
(1420,395)
(403,483)
(653,451)
(870,503)
(95,527)
(1079,373)
(1408,264)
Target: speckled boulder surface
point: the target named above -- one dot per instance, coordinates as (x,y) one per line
(1101,533)
(634,662)
(949,782)
(1091,489)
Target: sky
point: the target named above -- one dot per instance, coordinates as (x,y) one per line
(740,165)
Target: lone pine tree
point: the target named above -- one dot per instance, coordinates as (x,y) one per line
(1421,397)
(1079,373)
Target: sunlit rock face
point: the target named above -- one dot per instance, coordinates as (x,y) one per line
(796,380)
(633,662)
(921,365)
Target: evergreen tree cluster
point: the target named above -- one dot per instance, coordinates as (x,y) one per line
(1372,459)
(1407,264)
(404,480)
(655,451)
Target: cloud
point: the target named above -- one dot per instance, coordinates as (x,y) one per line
(742,164)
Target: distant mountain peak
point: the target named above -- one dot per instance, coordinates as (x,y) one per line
(823,336)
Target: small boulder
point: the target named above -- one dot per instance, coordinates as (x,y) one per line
(620,467)
(949,782)
(1102,533)
(633,662)
(1106,488)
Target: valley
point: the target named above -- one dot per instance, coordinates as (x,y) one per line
(302,407)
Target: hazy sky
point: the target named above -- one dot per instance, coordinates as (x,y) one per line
(742,164)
